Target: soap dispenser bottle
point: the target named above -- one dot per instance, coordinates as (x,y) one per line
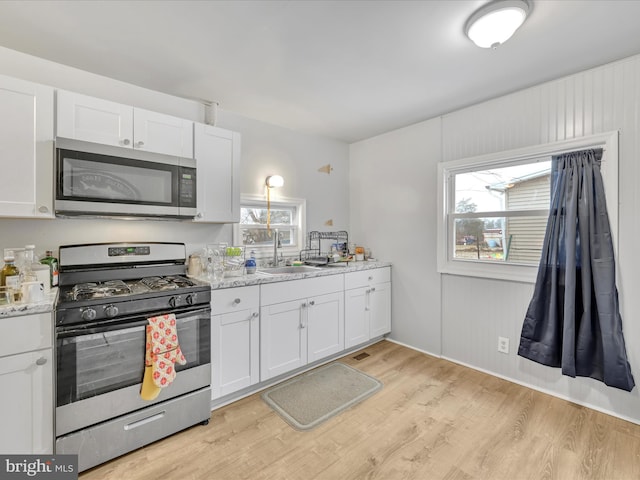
(250,264)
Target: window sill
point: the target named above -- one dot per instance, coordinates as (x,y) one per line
(491,271)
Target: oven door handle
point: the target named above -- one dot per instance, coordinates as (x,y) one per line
(121,323)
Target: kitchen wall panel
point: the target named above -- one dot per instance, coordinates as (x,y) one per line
(392,196)
(476,311)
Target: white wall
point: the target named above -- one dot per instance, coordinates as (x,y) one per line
(265,149)
(392,197)
(476,311)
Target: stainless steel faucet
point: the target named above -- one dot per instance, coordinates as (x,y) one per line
(276,244)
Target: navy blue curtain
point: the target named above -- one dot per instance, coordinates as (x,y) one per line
(573,321)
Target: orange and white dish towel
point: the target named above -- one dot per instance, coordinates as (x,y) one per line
(162,352)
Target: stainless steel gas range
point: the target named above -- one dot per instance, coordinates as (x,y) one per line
(107,294)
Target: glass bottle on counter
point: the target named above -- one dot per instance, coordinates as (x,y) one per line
(10,276)
(26,272)
(52,262)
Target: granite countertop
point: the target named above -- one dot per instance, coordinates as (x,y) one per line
(259,278)
(18,309)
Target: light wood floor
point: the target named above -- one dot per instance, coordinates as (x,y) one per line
(432,420)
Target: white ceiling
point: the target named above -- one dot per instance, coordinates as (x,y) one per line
(342,69)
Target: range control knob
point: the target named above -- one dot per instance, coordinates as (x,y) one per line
(173,302)
(191,299)
(111,311)
(88,314)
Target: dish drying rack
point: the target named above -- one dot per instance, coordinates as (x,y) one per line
(317,252)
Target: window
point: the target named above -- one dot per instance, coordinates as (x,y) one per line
(495,208)
(286,215)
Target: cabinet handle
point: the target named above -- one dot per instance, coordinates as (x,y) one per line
(370,278)
(140,144)
(312,302)
(254,315)
(304,305)
(199,215)
(43,209)
(373,289)
(126,141)
(41,361)
(236,301)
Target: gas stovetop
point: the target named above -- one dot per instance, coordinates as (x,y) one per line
(118,288)
(111,281)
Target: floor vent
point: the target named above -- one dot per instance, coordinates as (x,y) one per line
(361,356)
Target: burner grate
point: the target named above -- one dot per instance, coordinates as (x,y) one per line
(166,283)
(86,291)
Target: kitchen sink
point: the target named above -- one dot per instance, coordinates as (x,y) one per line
(289,269)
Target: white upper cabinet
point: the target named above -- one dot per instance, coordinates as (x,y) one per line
(26,149)
(91,119)
(217,154)
(156,132)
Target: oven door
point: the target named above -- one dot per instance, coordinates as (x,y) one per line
(94,181)
(100,367)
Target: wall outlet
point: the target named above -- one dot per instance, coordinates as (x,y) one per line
(503,344)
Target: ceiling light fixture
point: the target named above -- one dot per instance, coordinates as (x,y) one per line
(495,23)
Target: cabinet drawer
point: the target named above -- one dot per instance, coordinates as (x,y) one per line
(25,333)
(232,299)
(367,277)
(279,292)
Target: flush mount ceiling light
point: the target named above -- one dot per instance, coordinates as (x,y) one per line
(493,24)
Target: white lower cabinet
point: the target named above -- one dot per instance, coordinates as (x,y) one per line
(26,378)
(367,305)
(235,341)
(261,332)
(301,321)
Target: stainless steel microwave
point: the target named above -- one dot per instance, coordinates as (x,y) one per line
(103,181)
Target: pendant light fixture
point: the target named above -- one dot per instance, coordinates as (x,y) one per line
(272,181)
(494,23)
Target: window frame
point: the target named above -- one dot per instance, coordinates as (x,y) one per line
(446,202)
(281,202)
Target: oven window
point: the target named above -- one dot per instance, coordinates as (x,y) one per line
(115,182)
(99,362)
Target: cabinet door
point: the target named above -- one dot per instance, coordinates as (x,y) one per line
(380,309)
(283,338)
(356,321)
(325,326)
(236,339)
(160,133)
(26,149)
(217,154)
(26,415)
(94,120)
